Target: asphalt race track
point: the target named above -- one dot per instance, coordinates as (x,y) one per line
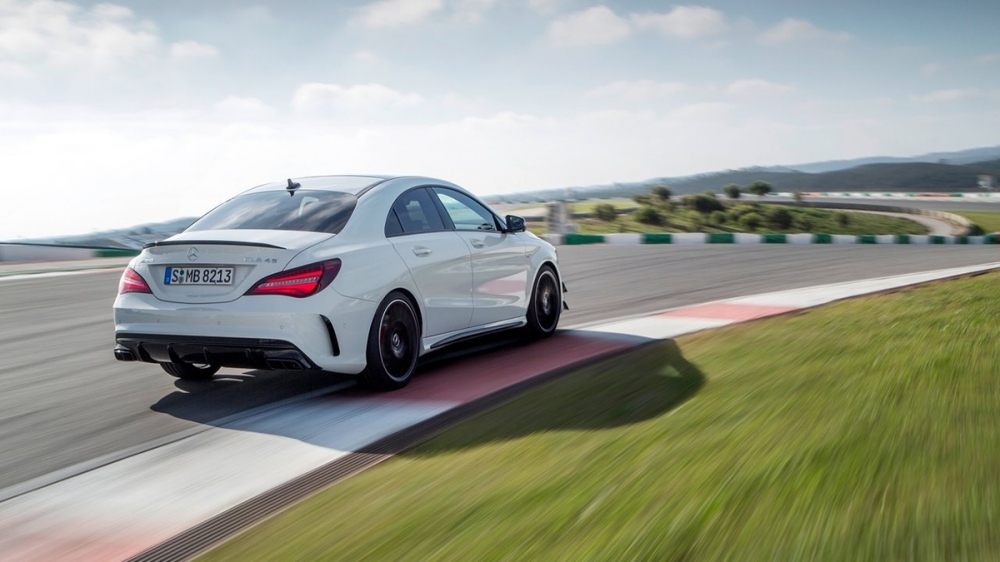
(64,399)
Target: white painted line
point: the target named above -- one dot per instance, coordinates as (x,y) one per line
(823,294)
(658,327)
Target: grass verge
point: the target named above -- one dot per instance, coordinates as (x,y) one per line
(989,220)
(863,430)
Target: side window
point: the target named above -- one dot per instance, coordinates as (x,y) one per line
(412,213)
(465,212)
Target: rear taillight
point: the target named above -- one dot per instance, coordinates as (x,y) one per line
(299,282)
(132,282)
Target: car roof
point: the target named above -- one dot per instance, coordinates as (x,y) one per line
(353,185)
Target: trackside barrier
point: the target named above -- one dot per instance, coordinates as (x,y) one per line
(680,238)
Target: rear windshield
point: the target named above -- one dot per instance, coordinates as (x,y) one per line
(305,210)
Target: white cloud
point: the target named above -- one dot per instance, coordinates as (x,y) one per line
(931,69)
(546,6)
(598,25)
(950,95)
(756,87)
(636,90)
(794,29)
(360,97)
(684,21)
(397,13)
(236,107)
(192,50)
(64,34)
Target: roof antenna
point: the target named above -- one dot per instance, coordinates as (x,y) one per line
(292,186)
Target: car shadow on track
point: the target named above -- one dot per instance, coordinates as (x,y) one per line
(635,383)
(627,388)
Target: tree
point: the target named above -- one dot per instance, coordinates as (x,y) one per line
(797,196)
(732,191)
(605,212)
(662,193)
(759,188)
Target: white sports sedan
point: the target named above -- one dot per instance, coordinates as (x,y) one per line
(352,274)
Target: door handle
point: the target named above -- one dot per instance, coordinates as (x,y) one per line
(421,251)
(476,243)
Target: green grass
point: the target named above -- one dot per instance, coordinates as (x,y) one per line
(989,220)
(864,430)
(820,220)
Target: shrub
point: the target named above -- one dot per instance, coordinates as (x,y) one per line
(843,219)
(719,217)
(976,230)
(662,193)
(643,199)
(797,196)
(803,222)
(605,212)
(703,203)
(710,193)
(694,218)
(779,218)
(732,191)
(750,221)
(649,215)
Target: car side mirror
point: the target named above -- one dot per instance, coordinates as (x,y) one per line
(515,224)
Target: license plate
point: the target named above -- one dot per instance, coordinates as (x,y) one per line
(198,276)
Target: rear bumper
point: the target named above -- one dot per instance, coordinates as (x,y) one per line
(240,353)
(328,331)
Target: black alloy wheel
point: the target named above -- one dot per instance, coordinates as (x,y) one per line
(546,304)
(393,344)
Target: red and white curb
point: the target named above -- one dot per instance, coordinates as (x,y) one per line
(118,510)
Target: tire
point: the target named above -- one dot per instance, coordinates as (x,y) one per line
(546,304)
(393,344)
(190,372)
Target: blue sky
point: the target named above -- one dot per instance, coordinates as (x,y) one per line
(123,113)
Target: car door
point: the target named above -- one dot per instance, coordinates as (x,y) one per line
(499,262)
(438,259)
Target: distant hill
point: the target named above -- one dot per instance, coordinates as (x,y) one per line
(969,156)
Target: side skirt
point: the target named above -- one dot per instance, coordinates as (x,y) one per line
(442,340)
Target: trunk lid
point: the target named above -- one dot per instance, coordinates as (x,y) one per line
(241,257)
